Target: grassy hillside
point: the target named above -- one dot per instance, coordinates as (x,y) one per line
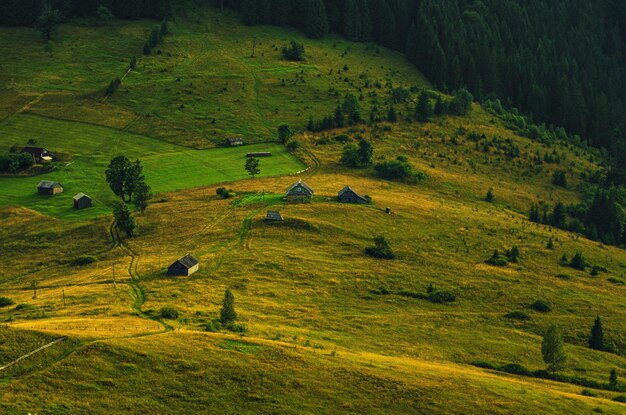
(328,329)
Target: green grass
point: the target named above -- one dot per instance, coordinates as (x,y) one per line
(167,167)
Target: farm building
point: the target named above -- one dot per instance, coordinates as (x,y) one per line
(274,216)
(299,192)
(46,187)
(236,141)
(187,265)
(82,201)
(259,154)
(347,195)
(39,154)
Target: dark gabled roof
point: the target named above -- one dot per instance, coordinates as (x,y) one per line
(274,215)
(299,183)
(47,184)
(188,261)
(348,189)
(80,196)
(34,150)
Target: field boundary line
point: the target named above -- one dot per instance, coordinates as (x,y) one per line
(27,355)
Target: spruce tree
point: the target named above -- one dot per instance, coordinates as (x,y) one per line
(316,26)
(366,153)
(391,114)
(552,349)
(424,109)
(613,379)
(490,197)
(227,312)
(596,339)
(351,20)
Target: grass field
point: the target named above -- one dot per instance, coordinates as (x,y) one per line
(328,329)
(167,167)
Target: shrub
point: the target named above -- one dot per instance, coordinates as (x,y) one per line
(412,294)
(212,326)
(224,192)
(5,302)
(484,364)
(83,260)
(441,297)
(236,328)
(578,262)
(587,392)
(513,254)
(559,178)
(616,281)
(621,398)
(294,51)
(293,145)
(398,170)
(516,369)
(14,162)
(169,313)
(341,138)
(489,197)
(497,259)
(541,305)
(381,249)
(517,315)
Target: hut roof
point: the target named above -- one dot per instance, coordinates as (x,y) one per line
(299,183)
(80,196)
(47,184)
(188,261)
(274,215)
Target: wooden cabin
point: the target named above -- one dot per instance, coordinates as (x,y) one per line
(185,266)
(82,201)
(39,154)
(299,192)
(347,195)
(49,188)
(274,216)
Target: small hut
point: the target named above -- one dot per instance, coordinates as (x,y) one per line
(185,266)
(49,188)
(82,201)
(299,192)
(274,216)
(39,154)
(347,195)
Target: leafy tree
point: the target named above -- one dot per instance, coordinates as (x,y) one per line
(490,197)
(366,153)
(440,106)
(596,339)
(552,349)
(142,195)
(351,109)
(253,166)
(5,302)
(461,102)
(227,312)
(116,175)
(350,155)
(294,51)
(47,21)
(124,219)
(381,249)
(293,146)
(284,133)
(424,110)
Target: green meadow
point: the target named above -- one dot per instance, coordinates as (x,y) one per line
(167,167)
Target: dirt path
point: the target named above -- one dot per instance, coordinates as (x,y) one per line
(27,355)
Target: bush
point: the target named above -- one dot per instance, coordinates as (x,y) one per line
(224,192)
(381,249)
(489,197)
(497,259)
(441,297)
(484,364)
(341,138)
(578,262)
(15,161)
(621,398)
(81,261)
(587,392)
(541,305)
(559,178)
(5,302)
(169,313)
(212,326)
(517,315)
(294,51)
(513,254)
(615,281)
(236,328)
(398,170)
(293,145)
(516,369)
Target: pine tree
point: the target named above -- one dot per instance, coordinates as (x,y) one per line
(227,312)
(613,382)
(351,20)
(440,106)
(47,21)
(424,109)
(366,153)
(596,339)
(391,114)
(339,118)
(284,133)
(316,26)
(559,217)
(552,349)
(489,197)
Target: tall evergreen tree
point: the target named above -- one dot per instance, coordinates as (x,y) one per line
(316,22)
(596,339)
(227,312)
(351,20)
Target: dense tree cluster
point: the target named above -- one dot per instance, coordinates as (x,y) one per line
(563,62)
(27,12)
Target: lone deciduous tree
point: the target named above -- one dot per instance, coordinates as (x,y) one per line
(252,166)
(124,219)
(227,312)
(552,349)
(284,133)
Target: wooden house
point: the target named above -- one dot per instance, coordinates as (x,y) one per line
(82,201)
(235,141)
(47,187)
(274,216)
(185,266)
(299,192)
(39,154)
(347,195)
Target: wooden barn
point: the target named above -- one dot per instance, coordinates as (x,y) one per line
(186,266)
(347,195)
(82,201)
(39,154)
(274,216)
(46,187)
(299,192)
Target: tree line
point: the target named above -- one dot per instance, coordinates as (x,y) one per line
(560,62)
